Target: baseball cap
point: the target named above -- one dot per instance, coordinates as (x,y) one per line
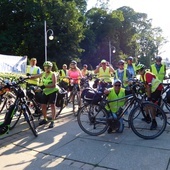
(103,61)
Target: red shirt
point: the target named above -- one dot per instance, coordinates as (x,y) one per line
(149,78)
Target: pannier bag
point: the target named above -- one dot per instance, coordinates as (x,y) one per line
(91,96)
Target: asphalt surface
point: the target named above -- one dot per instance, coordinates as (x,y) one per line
(67,147)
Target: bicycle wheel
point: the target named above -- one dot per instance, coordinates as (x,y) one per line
(92,120)
(142,128)
(30,120)
(167,111)
(16,115)
(3,102)
(76,104)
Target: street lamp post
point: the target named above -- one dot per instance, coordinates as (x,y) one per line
(112,49)
(51,37)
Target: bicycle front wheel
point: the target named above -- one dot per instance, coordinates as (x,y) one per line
(142,128)
(30,120)
(92,120)
(76,103)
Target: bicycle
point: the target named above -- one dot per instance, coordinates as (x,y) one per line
(94,119)
(164,102)
(15,111)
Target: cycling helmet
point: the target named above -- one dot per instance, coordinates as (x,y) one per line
(48,63)
(140,66)
(121,62)
(117,81)
(158,58)
(103,61)
(130,58)
(73,62)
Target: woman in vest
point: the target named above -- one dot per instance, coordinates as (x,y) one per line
(158,68)
(49,95)
(153,90)
(116,92)
(122,74)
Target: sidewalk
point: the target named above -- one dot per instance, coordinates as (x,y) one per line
(66,147)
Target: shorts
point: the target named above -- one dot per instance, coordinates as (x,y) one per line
(77,86)
(156,96)
(49,99)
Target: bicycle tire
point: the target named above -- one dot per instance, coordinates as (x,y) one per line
(3,103)
(76,104)
(167,112)
(142,128)
(92,120)
(30,120)
(15,119)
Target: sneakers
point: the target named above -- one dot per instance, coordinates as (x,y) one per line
(51,125)
(44,121)
(147,119)
(153,125)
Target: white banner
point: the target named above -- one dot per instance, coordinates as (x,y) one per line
(13,64)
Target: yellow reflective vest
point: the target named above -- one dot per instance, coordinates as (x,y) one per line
(155,82)
(105,75)
(161,73)
(125,79)
(114,106)
(36,80)
(46,81)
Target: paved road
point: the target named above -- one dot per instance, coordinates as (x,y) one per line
(66,147)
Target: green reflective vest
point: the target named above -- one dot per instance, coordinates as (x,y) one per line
(114,106)
(36,80)
(46,81)
(105,75)
(160,74)
(155,82)
(125,79)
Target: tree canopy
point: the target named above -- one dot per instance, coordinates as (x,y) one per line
(78,34)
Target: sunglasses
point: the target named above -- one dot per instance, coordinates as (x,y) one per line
(117,85)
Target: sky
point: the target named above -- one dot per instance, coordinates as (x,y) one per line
(157,10)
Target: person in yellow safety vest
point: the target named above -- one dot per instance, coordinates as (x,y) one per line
(49,95)
(131,66)
(105,71)
(114,93)
(32,69)
(158,68)
(153,88)
(84,71)
(63,72)
(122,74)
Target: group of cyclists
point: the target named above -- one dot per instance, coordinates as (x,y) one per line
(117,80)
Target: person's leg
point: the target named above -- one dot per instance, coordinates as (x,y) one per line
(44,109)
(52,102)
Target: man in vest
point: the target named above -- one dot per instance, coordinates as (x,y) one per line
(104,71)
(63,72)
(131,66)
(122,74)
(84,71)
(114,93)
(158,68)
(32,69)
(153,90)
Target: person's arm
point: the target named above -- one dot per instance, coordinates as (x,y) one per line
(97,68)
(111,69)
(36,76)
